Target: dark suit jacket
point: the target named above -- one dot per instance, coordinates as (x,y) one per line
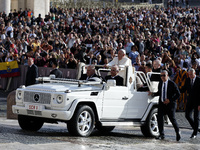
(31,75)
(88,60)
(173,92)
(84,76)
(57,73)
(119,80)
(193,92)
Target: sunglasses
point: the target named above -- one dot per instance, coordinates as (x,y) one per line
(162,75)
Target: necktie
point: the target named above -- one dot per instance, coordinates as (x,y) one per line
(192,83)
(163,94)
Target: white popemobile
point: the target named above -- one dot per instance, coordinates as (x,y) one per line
(85,105)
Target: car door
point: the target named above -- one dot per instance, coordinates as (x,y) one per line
(137,104)
(115,102)
(139,100)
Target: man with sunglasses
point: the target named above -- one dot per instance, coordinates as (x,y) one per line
(168,93)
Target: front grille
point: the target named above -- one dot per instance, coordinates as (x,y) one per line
(36,97)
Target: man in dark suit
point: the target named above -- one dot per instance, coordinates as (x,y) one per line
(168,93)
(192,85)
(90,73)
(32,72)
(55,70)
(90,58)
(114,75)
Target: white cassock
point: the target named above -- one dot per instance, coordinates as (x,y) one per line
(125,61)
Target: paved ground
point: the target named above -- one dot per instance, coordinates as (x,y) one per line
(56,137)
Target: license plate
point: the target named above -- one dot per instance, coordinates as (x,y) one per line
(33,107)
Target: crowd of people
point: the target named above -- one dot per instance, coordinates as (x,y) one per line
(170,36)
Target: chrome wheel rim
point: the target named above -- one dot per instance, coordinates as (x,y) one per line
(154,124)
(84,122)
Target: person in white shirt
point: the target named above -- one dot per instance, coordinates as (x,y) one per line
(122,59)
(9,30)
(70,40)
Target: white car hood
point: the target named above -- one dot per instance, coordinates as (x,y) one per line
(57,87)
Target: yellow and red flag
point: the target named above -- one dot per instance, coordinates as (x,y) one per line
(9,69)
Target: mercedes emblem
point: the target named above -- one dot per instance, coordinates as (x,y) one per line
(36,97)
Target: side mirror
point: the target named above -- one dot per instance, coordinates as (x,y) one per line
(52,76)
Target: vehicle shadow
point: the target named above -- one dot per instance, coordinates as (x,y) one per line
(10,133)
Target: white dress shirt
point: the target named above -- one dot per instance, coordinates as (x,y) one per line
(166,84)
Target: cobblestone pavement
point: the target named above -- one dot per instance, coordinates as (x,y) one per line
(56,137)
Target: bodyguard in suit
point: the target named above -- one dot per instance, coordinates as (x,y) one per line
(90,73)
(192,85)
(32,72)
(114,75)
(55,70)
(168,93)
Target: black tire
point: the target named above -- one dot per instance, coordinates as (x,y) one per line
(30,123)
(150,128)
(82,122)
(104,129)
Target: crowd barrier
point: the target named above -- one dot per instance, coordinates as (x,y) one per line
(15,82)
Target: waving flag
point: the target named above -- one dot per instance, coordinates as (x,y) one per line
(9,69)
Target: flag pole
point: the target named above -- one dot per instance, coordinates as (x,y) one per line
(9,81)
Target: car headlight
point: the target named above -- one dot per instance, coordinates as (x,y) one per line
(59,99)
(19,95)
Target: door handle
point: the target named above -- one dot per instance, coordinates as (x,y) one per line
(124,98)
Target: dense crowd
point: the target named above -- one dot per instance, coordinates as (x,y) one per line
(94,36)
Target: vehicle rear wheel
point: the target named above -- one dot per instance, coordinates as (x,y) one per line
(82,122)
(150,129)
(30,123)
(104,129)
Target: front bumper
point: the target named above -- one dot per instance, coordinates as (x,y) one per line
(44,113)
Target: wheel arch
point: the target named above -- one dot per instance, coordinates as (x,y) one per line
(88,103)
(148,111)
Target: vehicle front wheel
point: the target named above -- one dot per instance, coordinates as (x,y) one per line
(82,122)
(150,129)
(30,123)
